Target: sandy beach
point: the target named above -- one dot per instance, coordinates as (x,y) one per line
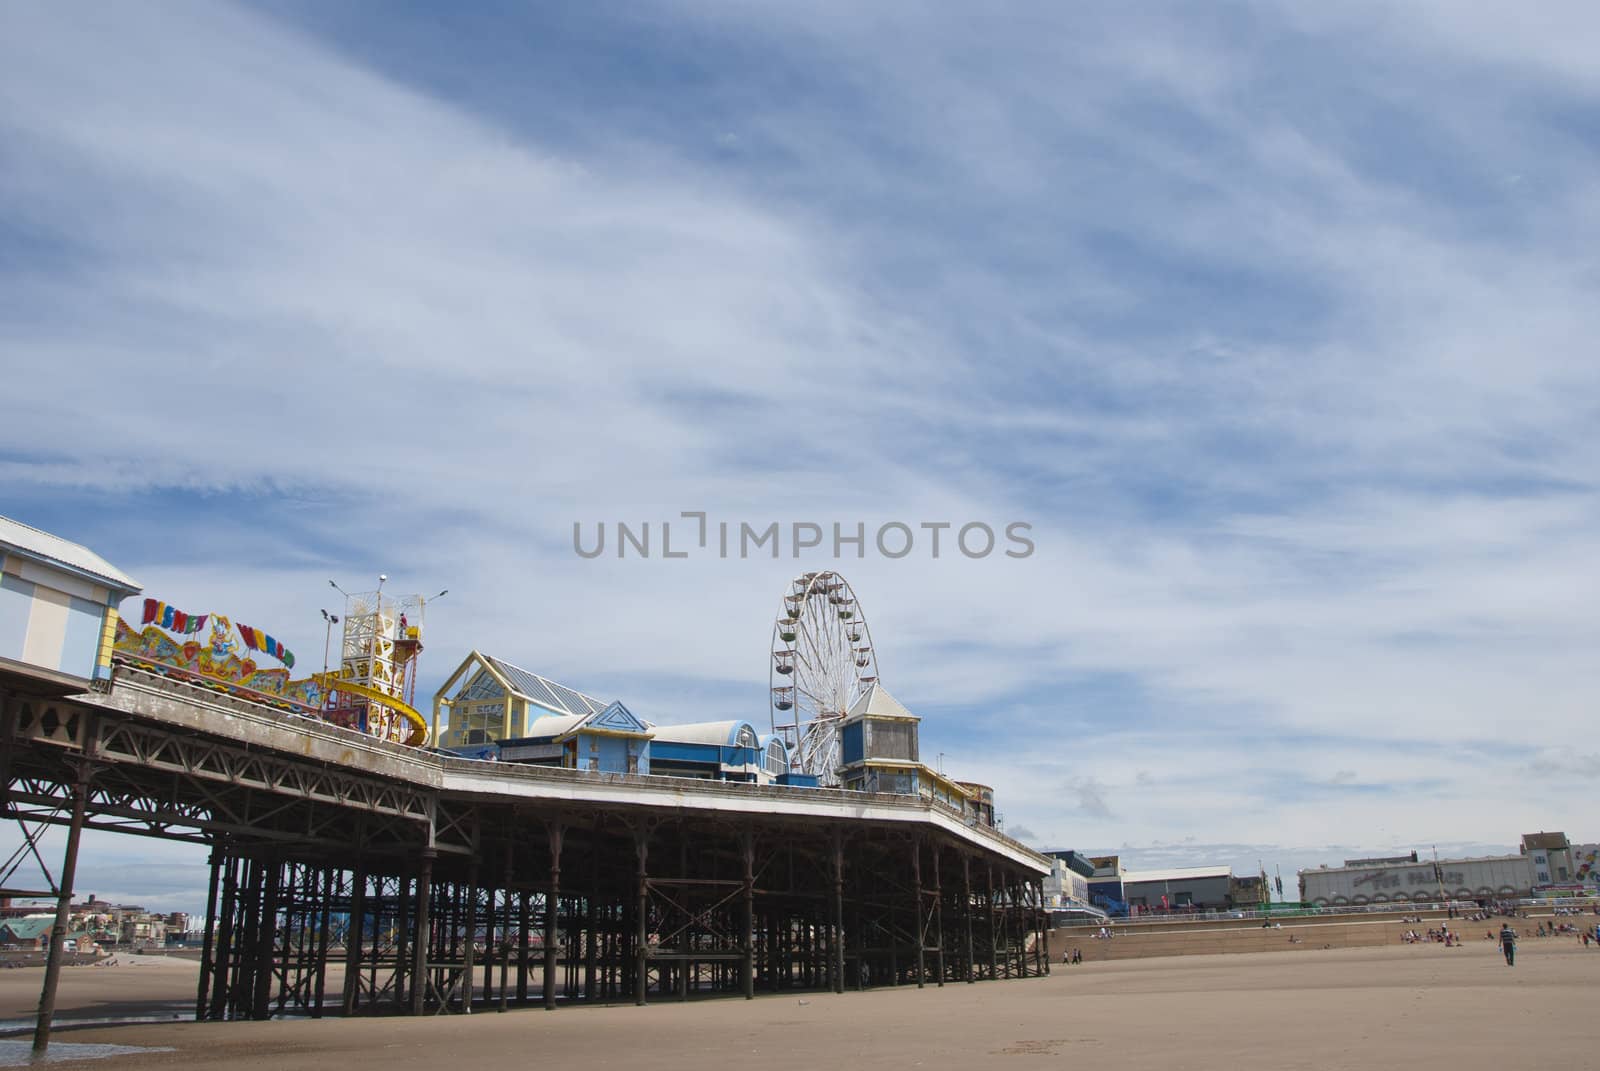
(1419,1007)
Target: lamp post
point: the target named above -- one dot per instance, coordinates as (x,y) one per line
(329,620)
(377,625)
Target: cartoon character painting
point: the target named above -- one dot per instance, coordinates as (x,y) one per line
(221,638)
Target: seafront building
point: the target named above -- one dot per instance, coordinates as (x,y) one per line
(1548,865)
(1189,888)
(1067,887)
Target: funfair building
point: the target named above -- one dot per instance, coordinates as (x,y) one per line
(1407,879)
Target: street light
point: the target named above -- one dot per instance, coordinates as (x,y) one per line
(327,637)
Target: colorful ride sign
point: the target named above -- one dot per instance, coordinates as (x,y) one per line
(170,643)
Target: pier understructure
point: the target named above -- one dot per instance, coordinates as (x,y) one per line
(352,876)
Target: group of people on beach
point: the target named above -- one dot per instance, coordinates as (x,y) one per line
(1072,955)
(1441,935)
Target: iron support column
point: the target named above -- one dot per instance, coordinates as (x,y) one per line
(208,948)
(919,928)
(994,943)
(838,912)
(69,871)
(1044,927)
(748,963)
(330,878)
(505,931)
(355,931)
(641,982)
(471,941)
(552,915)
(419,936)
(966,912)
(938,913)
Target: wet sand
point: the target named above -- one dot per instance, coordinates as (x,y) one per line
(134,986)
(1417,1007)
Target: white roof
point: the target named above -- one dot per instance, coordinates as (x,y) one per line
(877,700)
(61,552)
(1182,873)
(556,724)
(704,732)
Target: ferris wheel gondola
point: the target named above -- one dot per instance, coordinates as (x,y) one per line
(822,662)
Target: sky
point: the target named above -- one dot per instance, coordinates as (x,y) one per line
(1275,326)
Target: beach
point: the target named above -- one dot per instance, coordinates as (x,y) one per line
(1420,1007)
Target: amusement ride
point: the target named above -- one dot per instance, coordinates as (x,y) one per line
(822,663)
(372,691)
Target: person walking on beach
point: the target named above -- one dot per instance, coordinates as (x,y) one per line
(1508,944)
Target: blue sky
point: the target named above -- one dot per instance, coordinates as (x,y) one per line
(1276,325)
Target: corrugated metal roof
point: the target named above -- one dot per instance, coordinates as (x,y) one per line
(31,541)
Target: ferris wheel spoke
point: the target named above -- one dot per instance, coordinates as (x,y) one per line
(820,703)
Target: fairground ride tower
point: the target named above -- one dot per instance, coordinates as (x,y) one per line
(375,689)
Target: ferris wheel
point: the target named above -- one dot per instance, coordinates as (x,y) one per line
(822,662)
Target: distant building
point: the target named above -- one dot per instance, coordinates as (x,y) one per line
(141,929)
(1067,887)
(29,933)
(32,934)
(1105,885)
(1199,888)
(1248,891)
(1551,857)
(1495,877)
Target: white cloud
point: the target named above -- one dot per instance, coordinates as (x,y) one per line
(1348,493)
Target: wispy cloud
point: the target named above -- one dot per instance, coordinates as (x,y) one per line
(1278,328)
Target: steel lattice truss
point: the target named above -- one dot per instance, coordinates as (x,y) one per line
(164,781)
